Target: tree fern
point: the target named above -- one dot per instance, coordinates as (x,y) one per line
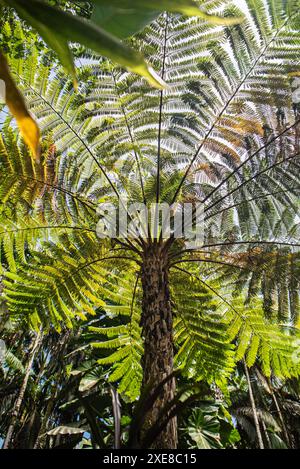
(225,133)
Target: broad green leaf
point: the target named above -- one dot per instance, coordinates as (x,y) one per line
(204,430)
(276,441)
(72,28)
(122,22)
(16,105)
(56,41)
(185,7)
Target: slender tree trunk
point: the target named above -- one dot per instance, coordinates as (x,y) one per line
(42,430)
(158,341)
(58,352)
(253,405)
(19,401)
(117,417)
(284,429)
(267,438)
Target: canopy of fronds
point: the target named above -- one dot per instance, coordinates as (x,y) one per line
(225,132)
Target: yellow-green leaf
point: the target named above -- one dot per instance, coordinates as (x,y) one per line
(16,104)
(185,7)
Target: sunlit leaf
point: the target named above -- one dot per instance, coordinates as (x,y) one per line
(73,28)
(56,41)
(185,7)
(120,21)
(16,104)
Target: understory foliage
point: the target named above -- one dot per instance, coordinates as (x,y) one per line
(68,401)
(225,133)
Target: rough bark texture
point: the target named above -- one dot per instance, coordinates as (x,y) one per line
(158,341)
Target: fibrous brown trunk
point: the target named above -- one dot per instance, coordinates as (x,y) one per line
(158,342)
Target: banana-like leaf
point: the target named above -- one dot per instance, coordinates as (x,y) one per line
(57,27)
(16,104)
(65,430)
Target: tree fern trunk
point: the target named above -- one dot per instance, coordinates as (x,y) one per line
(158,342)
